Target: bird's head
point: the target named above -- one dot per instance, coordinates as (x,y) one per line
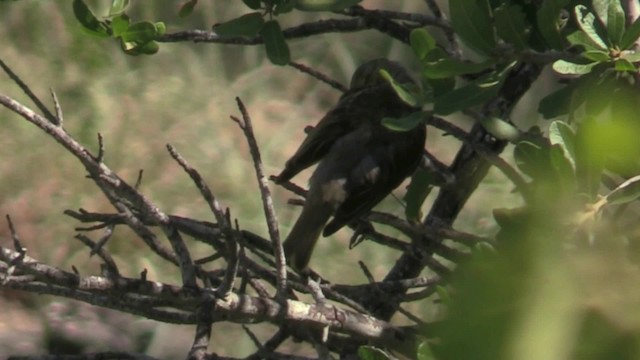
(368,74)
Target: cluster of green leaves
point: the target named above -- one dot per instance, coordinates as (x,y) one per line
(135,39)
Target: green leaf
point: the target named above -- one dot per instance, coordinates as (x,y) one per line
(500,129)
(135,49)
(626,192)
(407,94)
(611,14)
(405,123)
(187,8)
(275,44)
(120,24)
(367,352)
(631,35)
(252,4)
(443,295)
(449,67)
(140,32)
(531,159)
(596,55)
(421,185)
(562,135)
(89,21)
(580,38)
(474,93)
(569,68)
(421,42)
(118,7)
(324,5)
(284,6)
(246,25)
(563,168)
(556,103)
(471,20)
(425,352)
(511,25)
(161,28)
(630,56)
(587,22)
(623,65)
(548,19)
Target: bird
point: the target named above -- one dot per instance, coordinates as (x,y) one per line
(360,161)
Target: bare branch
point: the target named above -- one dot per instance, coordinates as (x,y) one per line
(320,76)
(267,200)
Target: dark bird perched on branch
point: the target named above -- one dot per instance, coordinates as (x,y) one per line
(360,160)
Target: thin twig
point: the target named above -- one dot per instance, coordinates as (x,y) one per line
(320,76)
(39,104)
(111,266)
(267,200)
(14,236)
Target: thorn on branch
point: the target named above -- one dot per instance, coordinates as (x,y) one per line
(138,179)
(57,107)
(100,148)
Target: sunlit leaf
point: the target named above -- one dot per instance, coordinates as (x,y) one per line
(569,68)
(406,94)
(626,192)
(562,135)
(596,55)
(611,14)
(631,35)
(500,129)
(587,22)
(624,65)
(118,7)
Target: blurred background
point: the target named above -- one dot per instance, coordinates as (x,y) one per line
(184,96)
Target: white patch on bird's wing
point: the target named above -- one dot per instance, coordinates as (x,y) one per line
(372,175)
(333,191)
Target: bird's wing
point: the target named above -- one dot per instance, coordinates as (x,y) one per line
(390,158)
(347,115)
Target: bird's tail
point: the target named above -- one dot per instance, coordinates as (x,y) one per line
(299,245)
